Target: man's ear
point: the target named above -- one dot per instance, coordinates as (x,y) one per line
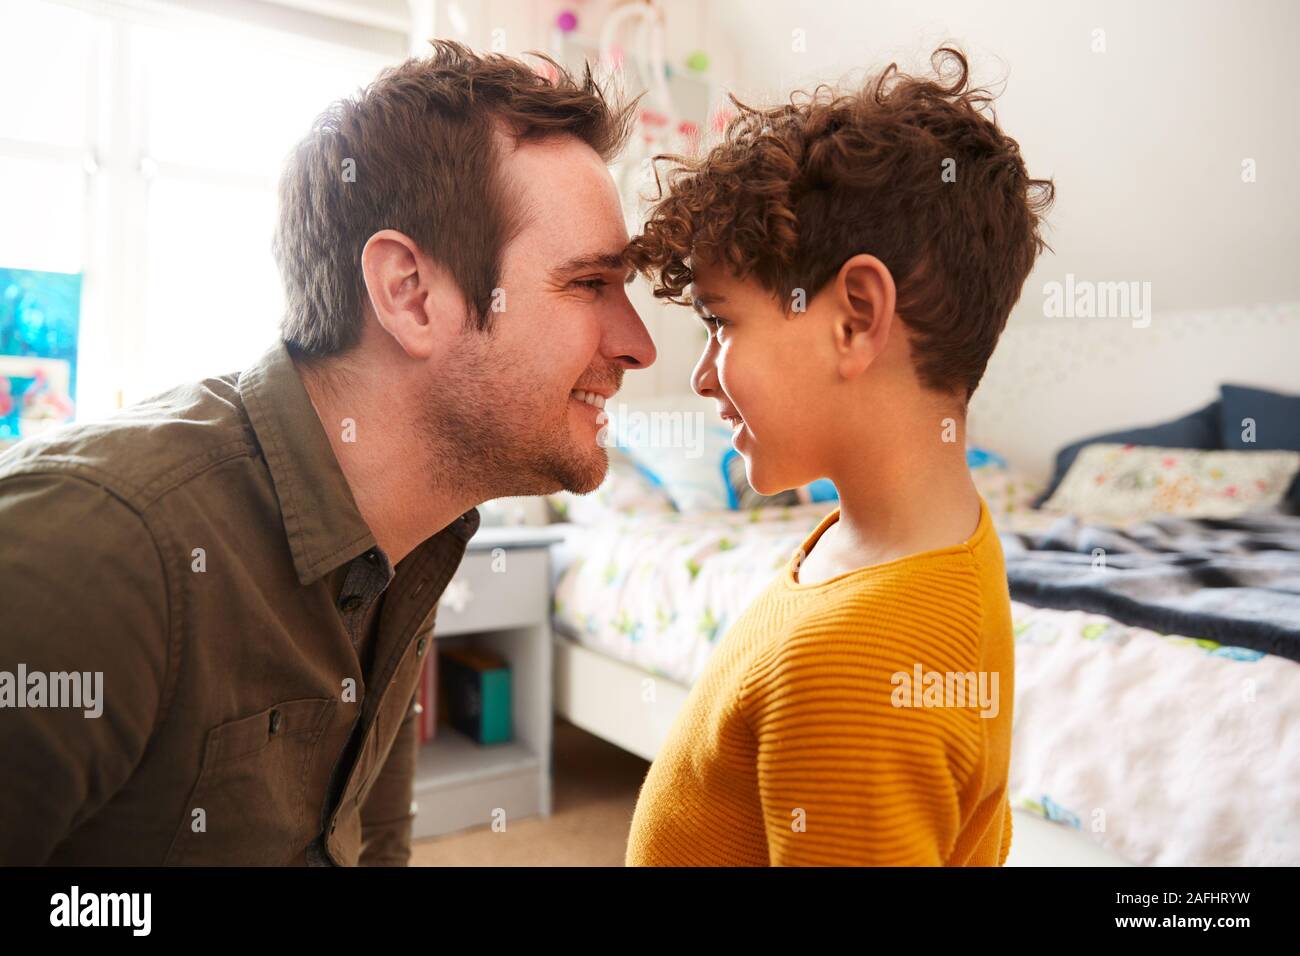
(863,301)
(414,300)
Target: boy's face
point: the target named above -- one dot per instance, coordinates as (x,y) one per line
(771,374)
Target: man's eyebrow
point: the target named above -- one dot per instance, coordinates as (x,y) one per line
(598,260)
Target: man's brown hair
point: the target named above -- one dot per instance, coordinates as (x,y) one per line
(415,152)
(792,192)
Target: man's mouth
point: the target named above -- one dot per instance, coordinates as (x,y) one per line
(731,417)
(594,399)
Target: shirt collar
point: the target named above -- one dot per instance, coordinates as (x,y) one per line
(321,520)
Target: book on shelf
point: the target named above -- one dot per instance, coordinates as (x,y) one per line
(475,690)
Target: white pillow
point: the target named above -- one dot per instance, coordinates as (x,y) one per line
(626,490)
(678,442)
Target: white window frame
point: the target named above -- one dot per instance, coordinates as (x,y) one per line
(118,168)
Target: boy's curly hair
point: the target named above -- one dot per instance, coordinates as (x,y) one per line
(794,191)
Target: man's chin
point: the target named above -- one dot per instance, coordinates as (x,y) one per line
(582,471)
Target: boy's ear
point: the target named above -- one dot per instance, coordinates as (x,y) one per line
(414,300)
(864,313)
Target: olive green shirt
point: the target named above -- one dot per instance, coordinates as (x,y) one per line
(202,557)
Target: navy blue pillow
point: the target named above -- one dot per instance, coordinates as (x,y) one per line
(1200,429)
(1277,423)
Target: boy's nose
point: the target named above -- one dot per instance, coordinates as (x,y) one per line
(705,377)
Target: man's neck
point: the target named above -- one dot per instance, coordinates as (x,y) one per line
(384,462)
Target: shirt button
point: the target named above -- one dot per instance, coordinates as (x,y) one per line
(276,720)
(419,646)
(350,603)
(372,556)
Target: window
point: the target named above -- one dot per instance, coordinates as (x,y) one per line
(141,146)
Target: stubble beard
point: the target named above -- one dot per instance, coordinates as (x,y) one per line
(484,433)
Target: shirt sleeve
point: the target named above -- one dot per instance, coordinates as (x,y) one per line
(84,600)
(386,813)
(845,778)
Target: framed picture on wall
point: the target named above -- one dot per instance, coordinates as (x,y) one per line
(39,322)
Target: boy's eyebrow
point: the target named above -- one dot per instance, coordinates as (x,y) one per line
(595,260)
(701,302)
(703,311)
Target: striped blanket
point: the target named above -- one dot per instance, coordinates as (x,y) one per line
(1235,581)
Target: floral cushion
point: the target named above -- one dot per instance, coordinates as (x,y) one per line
(1133,482)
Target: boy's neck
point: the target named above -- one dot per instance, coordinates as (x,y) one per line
(899,504)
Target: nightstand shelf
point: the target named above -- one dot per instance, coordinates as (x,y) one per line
(498,601)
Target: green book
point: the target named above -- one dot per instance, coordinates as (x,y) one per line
(477,689)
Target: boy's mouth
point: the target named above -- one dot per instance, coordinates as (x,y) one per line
(731,417)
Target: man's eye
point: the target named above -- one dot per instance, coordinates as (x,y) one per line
(589,283)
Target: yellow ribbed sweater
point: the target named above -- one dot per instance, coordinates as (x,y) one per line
(793,748)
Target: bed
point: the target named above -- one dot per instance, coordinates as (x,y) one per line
(1132,744)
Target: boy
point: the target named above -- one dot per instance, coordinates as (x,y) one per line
(854,258)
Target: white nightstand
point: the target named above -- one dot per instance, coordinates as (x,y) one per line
(499,600)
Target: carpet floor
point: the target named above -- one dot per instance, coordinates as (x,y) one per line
(595,789)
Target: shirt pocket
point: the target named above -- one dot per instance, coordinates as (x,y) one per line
(252,789)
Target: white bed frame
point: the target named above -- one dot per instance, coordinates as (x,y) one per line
(634,709)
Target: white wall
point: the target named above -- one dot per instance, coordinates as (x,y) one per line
(1145,142)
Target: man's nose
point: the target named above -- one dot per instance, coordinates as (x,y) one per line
(626,340)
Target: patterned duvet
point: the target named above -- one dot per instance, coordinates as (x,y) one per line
(1166,750)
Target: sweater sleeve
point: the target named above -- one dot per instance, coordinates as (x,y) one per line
(1007,836)
(845,777)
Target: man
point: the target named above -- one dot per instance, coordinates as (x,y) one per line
(248,567)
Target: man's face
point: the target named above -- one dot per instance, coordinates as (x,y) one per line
(565,327)
(769,373)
